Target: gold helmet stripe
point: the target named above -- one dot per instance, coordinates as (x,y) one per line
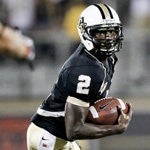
(111,15)
(105,11)
(101,11)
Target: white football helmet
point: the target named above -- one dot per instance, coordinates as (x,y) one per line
(100,18)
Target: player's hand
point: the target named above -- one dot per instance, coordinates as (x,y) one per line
(124,119)
(30,48)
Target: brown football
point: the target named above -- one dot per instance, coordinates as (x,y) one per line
(105,111)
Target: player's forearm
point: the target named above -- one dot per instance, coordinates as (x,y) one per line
(11,43)
(91,131)
(98,131)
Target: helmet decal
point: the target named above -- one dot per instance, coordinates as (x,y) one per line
(82,25)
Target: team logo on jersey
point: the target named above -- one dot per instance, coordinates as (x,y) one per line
(103,87)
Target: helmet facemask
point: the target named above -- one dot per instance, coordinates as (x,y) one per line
(106,40)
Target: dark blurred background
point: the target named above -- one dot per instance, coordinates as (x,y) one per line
(52,25)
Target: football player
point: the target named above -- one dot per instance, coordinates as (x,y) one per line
(84,78)
(15,44)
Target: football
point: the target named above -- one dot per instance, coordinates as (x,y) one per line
(105,111)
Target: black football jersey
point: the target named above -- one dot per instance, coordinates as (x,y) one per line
(82,76)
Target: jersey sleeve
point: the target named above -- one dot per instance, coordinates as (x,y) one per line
(84,82)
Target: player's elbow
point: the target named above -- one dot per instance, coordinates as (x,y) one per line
(70,137)
(72,134)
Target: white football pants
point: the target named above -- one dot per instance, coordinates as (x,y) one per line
(40,139)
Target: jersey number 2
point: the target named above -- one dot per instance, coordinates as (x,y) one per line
(83,84)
